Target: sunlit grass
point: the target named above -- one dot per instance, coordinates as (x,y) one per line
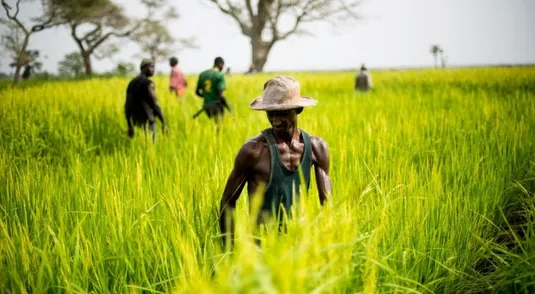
(433,178)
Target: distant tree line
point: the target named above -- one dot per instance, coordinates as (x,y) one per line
(95,26)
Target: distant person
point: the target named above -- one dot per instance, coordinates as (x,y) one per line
(227,72)
(28,69)
(178,83)
(210,87)
(276,157)
(363,81)
(141,107)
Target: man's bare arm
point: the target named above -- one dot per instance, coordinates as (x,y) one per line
(321,168)
(235,183)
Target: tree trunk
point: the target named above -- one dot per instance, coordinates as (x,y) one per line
(87,63)
(21,59)
(260,52)
(16,79)
(436,59)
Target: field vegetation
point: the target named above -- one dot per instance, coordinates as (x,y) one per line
(433,189)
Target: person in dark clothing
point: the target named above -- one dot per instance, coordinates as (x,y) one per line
(363,81)
(141,107)
(276,156)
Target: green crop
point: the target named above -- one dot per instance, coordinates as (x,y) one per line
(433,179)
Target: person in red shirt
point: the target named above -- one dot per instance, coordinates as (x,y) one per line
(178,83)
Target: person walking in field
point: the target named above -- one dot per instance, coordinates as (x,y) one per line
(276,156)
(210,87)
(363,81)
(141,106)
(177,81)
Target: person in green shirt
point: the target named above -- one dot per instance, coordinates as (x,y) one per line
(210,87)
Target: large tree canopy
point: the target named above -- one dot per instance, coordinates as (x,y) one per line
(16,37)
(267,22)
(71,65)
(95,23)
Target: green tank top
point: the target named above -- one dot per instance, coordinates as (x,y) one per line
(283,183)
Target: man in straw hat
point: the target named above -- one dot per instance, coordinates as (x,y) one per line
(141,105)
(277,156)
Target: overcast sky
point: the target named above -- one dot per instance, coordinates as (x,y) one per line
(393,33)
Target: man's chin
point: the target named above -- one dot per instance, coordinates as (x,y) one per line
(281,131)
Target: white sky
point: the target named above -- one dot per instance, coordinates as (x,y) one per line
(394,33)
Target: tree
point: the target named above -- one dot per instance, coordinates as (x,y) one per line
(17,37)
(95,23)
(436,50)
(443,59)
(32,65)
(262,23)
(125,68)
(156,41)
(154,38)
(71,65)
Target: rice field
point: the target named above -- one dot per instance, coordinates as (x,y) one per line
(433,189)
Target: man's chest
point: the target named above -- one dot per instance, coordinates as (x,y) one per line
(285,156)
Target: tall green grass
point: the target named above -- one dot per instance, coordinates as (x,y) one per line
(433,179)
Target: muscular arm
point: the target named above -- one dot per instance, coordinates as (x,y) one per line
(321,162)
(235,183)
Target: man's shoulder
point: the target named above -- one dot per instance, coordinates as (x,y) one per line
(219,74)
(258,141)
(206,72)
(318,143)
(141,79)
(253,146)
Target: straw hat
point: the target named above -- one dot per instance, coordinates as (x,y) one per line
(281,93)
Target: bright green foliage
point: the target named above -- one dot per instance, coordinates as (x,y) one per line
(433,178)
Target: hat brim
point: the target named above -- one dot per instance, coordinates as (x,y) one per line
(297,102)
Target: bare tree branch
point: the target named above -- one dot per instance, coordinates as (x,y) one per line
(14,17)
(234,12)
(264,26)
(250,10)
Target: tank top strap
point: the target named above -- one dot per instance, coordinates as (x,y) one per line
(307,160)
(269,137)
(273,154)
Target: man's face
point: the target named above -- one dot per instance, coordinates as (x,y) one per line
(149,70)
(282,121)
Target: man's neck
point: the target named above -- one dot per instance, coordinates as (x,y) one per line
(287,137)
